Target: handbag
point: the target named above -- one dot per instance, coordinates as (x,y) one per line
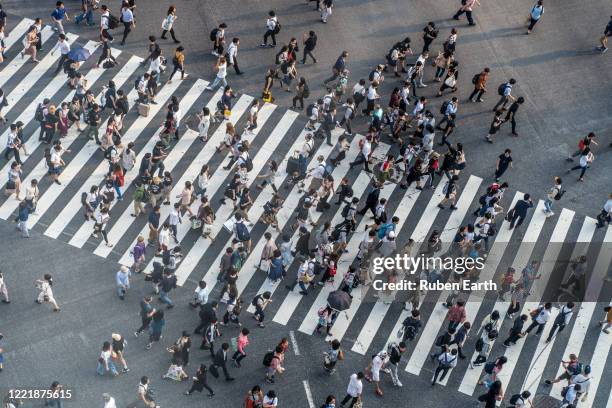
(10,185)
(358,403)
(450,81)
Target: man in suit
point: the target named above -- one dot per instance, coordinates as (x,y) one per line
(372,199)
(519,212)
(220,360)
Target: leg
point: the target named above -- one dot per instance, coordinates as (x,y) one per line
(173,35)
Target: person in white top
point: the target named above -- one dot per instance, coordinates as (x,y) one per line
(364,153)
(104,23)
(374,368)
(204,123)
(4,290)
(127,17)
(109,402)
(168,24)
(64,48)
(446,361)
(584,380)
(272,28)
(232,52)
(354,389)
(221,68)
(46,293)
(539,316)
(270,400)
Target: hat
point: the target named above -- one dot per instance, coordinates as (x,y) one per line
(116,336)
(391,234)
(124,268)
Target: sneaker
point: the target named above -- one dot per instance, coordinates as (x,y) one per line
(399,384)
(136,334)
(125,370)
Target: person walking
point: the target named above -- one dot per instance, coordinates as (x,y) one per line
(168,24)
(505,93)
(46,292)
(105,362)
(480,85)
(586,158)
(146,314)
(260,302)
(272,28)
(511,114)
(221,72)
(603,40)
(504,162)
(58,16)
(241,342)
(122,280)
(467,6)
(144,396)
(338,67)
(539,317)
(605,216)
(555,193)
(64,48)
(220,360)
(446,361)
(127,18)
(200,382)
(310,42)
(232,54)
(156,327)
(105,23)
(178,63)
(353,390)
(109,402)
(535,15)
(562,319)
(519,212)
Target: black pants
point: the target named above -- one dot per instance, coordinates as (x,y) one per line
(224,368)
(334,76)
(236,68)
(127,28)
(602,218)
(347,122)
(352,399)
(163,35)
(532,23)
(48,135)
(299,99)
(60,63)
(238,356)
(582,170)
(512,122)
(269,33)
(535,324)
(177,68)
(198,386)
(476,93)
(518,219)
(106,55)
(468,14)
(15,152)
(499,172)
(440,369)
(573,280)
(553,329)
(308,52)
(158,165)
(370,106)
(513,338)
(145,324)
(107,34)
(359,160)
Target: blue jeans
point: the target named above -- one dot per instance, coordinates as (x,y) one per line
(111,367)
(303,165)
(548,205)
(218,81)
(121,291)
(88,15)
(119,195)
(164,298)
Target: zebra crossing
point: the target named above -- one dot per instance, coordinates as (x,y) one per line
(366,327)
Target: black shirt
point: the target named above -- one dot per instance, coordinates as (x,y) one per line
(504,161)
(167,181)
(157,152)
(310,43)
(429,34)
(513,108)
(93,118)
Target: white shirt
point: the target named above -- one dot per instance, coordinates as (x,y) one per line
(318,171)
(222,72)
(126,15)
(110,403)
(270,401)
(164,237)
(271,23)
(306,148)
(355,386)
(372,93)
(56,156)
(418,108)
(358,89)
(203,181)
(104,20)
(155,64)
(63,46)
(608,206)
(128,159)
(201,294)
(232,51)
(174,217)
(448,360)
(584,381)
(543,316)
(366,148)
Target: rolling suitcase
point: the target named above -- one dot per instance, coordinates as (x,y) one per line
(293,164)
(143,109)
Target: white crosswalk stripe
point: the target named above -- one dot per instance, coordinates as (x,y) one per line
(60,207)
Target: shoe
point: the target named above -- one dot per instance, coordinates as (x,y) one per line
(136,334)
(125,370)
(263,45)
(452,207)
(440,206)
(6,301)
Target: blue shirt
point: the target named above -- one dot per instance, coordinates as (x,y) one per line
(123,279)
(537,11)
(154,219)
(59,14)
(340,64)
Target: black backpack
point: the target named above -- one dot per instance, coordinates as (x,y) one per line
(515,398)
(502,88)
(113,22)
(346,210)
(371,76)
(444,107)
(492,230)
(39,115)
(267,358)
(277,28)
(475,79)
(255,300)
(213,34)
(559,195)
(306,92)
(108,152)
(310,109)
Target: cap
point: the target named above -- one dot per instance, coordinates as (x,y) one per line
(391,234)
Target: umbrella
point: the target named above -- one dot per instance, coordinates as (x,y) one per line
(339,300)
(79,54)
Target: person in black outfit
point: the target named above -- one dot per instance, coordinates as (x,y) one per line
(301,246)
(429,35)
(443,342)
(511,115)
(345,191)
(503,162)
(372,199)
(516,330)
(490,398)
(309,45)
(220,360)
(200,382)
(208,313)
(106,52)
(519,212)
